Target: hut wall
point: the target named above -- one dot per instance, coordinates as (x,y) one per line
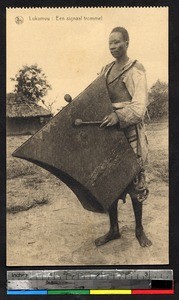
(20,126)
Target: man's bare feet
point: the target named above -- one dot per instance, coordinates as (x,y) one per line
(111,235)
(142,238)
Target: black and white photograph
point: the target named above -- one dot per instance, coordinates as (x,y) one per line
(87,136)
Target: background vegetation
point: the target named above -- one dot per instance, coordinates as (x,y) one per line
(158,102)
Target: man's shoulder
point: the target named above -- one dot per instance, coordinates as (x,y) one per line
(139,66)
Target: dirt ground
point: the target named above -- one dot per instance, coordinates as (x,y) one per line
(46,224)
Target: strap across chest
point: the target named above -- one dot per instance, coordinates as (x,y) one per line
(117,88)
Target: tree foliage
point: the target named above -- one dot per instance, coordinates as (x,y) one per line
(158,101)
(31,82)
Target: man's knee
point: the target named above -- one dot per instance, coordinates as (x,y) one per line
(138,188)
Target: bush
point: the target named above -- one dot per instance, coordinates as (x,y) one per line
(158,101)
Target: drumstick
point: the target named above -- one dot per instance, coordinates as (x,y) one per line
(79,122)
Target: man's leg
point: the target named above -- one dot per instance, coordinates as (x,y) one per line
(140,234)
(114,227)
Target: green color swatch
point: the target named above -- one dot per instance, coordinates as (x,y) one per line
(68,292)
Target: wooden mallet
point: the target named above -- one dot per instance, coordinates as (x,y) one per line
(79,122)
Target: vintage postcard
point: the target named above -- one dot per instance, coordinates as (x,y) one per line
(90,185)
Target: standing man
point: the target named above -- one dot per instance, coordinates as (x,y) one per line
(126,81)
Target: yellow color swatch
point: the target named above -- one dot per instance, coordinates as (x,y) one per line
(110,292)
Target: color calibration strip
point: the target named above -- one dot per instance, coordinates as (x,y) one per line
(90,282)
(92,292)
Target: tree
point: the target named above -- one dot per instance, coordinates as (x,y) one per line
(31,82)
(158,101)
(158,89)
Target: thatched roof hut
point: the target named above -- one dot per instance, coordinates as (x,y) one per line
(23,116)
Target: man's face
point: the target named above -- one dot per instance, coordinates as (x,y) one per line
(117,44)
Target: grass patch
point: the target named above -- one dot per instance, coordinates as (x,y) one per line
(17,168)
(158,171)
(157,168)
(27,205)
(34,181)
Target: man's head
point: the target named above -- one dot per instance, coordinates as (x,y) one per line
(118,42)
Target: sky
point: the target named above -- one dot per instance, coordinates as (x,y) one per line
(71,47)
